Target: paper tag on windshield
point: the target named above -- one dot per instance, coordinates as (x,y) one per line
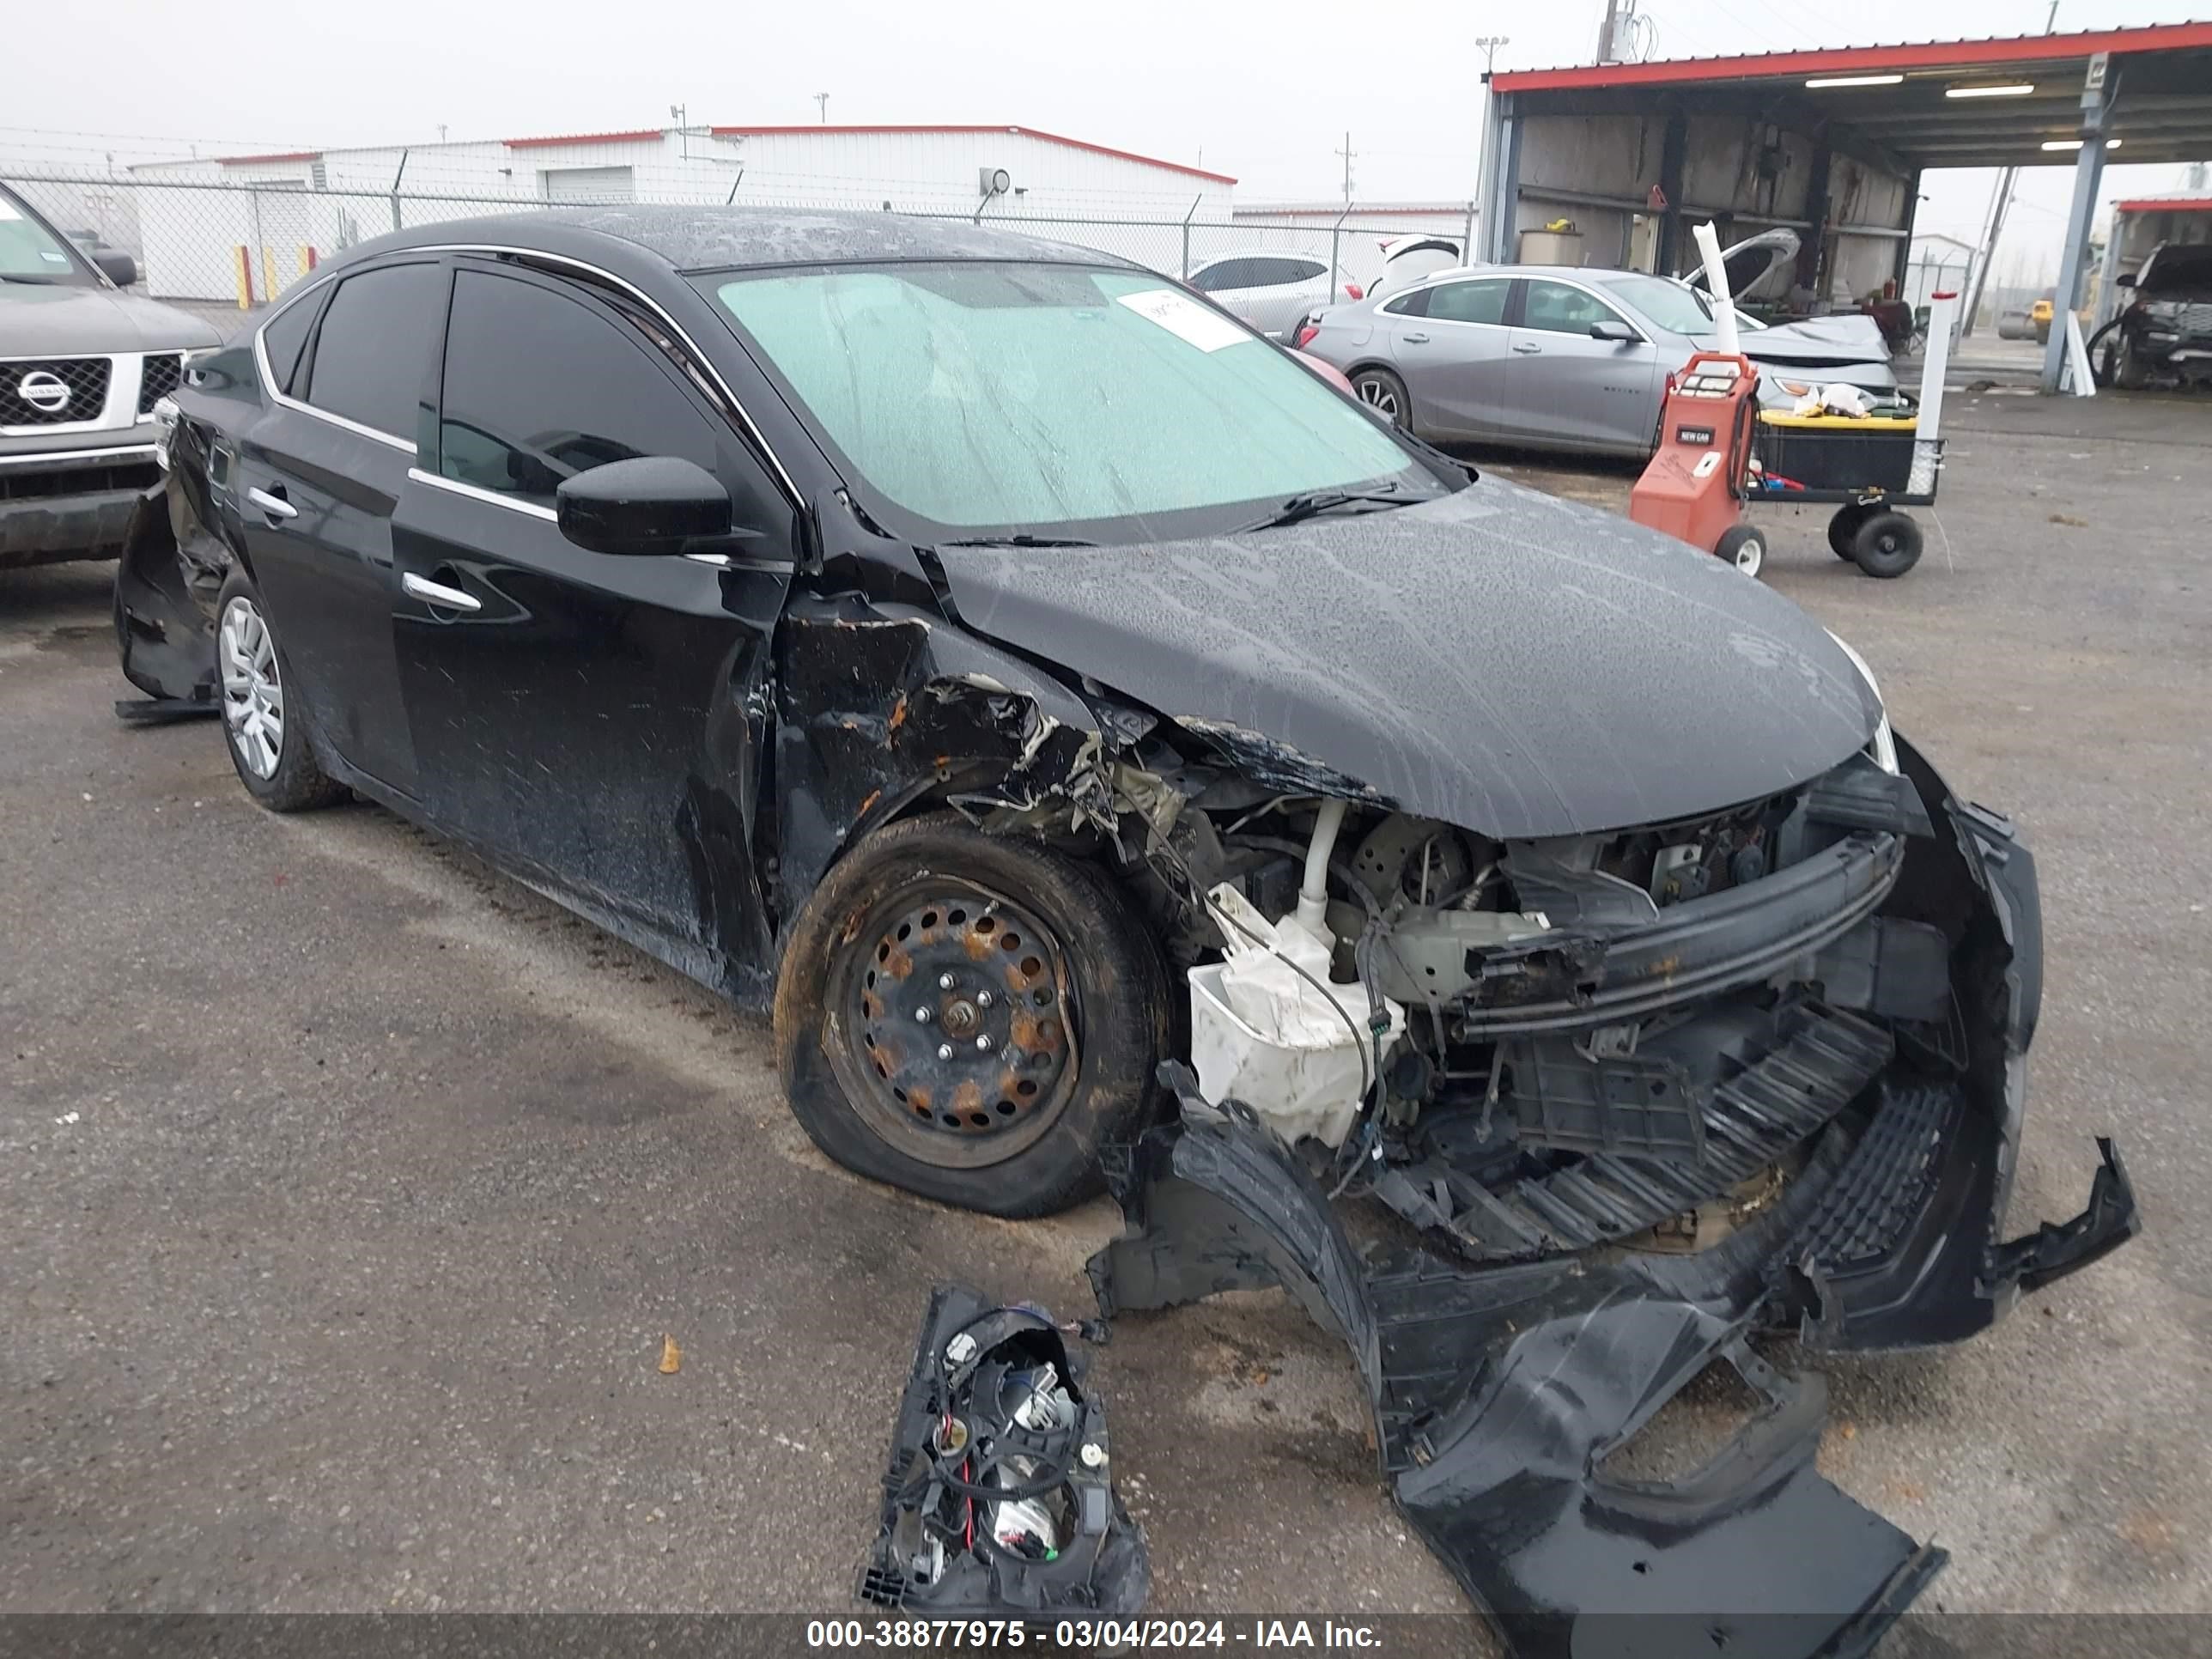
(1185,318)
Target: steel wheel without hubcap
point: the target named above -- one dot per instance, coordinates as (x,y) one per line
(253,689)
(955,1016)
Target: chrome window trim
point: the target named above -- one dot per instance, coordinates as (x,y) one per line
(112,452)
(416,475)
(700,358)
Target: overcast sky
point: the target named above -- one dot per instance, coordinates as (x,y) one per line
(1265,92)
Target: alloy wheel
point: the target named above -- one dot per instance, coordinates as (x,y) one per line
(1379,395)
(253,687)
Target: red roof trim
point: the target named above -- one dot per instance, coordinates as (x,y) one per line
(2165,205)
(1026,132)
(262,161)
(584,138)
(1861,60)
(1441,210)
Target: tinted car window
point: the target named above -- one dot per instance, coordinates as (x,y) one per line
(373,349)
(1415,304)
(1275,273)
(1559,309)
(540,387)
(1224,274)
(282,335)
(1469,302)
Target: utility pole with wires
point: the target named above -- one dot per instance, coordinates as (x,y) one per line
(677,114)
(1608,32)
(821,106)
(1993,225)
(1347,153)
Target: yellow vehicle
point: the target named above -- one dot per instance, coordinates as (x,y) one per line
(2040,314)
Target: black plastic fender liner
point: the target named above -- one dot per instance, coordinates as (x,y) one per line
(1497,1392)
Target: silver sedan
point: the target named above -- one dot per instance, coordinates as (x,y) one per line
(1562,357)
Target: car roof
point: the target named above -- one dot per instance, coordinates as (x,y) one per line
(714,238)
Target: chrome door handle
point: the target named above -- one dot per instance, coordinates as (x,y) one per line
(1528,347)
(437,594)
(1414,339)
(275,506)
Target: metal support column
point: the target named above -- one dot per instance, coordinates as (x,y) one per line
(1904,243)
(1497,117)
(1674,155)
(1503,212)
(2098,88)
(1812,254)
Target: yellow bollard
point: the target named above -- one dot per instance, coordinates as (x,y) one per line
(270,283)
(245,273)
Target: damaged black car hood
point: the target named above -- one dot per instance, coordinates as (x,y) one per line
(1498,659)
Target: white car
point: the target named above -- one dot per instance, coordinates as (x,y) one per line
(1271,292)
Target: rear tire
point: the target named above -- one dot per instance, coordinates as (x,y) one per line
(972,1017)
(1385,393)
(1844,528)
(1887,544)
(2131,373)
(264,726)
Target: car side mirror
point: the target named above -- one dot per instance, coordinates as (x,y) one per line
(650,504)
(1620,333)
(118,267)
(2128,280)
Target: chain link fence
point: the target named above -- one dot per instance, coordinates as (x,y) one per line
(228,243)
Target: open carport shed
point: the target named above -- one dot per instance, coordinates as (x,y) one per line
(1834,140)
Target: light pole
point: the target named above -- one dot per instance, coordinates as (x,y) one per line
(821,105)
(1485,170)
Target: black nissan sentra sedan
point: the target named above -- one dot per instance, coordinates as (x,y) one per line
(1114,755)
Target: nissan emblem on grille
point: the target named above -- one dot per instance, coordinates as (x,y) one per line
(43,392)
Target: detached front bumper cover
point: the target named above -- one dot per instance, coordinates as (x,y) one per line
(1499,1391)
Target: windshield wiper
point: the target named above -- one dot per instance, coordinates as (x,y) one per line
(27,281)
(1020,539)
(1298,508)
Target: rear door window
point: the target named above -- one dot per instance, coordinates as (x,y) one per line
(373,351)
(1470,302)
(540,387)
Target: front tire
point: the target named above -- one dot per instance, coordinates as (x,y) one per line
(1385,393)
(1743,547)
(972,1017)
(1887,544)
(264,728)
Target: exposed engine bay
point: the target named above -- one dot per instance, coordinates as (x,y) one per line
(1544,1129)
(1542,1045)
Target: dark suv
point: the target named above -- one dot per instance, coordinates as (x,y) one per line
(82,366)
(2167,333)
